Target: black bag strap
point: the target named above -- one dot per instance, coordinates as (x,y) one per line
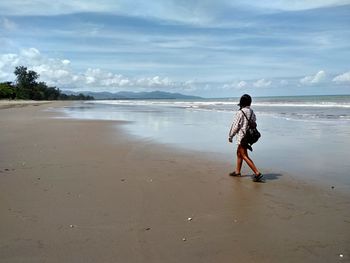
(247,117)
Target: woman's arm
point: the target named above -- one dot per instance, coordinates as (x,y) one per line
(236,125)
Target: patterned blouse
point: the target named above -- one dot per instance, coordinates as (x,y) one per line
(240,124)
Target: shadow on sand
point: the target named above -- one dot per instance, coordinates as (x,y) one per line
(271,177)
(267,177)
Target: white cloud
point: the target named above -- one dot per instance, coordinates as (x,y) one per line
(191,11)
(65,62)
(154,81)
(8,60)
(189,85)
(236,85)
(98,78)
(345,77)
(314,79)
(185,11)
(289,5)
(261,83)
(31,53)
(58,72)
(7,24)
(4,75)
(242,84)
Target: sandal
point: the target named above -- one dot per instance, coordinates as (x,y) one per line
(235,174)
(258,178)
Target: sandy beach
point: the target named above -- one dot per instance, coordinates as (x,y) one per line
(5,104)
(85,191)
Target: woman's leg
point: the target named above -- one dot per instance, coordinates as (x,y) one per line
(239,162)
(244,155)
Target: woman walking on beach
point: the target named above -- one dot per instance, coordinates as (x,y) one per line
(239,128)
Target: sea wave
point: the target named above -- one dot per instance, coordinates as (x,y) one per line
(222,104)
(311,111)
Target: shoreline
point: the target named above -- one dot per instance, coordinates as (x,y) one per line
(85,191)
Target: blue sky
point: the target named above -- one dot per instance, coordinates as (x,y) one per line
(209,48)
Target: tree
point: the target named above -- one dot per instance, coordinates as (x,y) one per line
(27,87)
(26,82)
(7,91)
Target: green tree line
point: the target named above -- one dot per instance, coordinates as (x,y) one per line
(26,87)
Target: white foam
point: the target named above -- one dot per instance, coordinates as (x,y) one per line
(216,104)
(287,110)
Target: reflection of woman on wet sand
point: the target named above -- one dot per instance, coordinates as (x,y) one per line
(239,128)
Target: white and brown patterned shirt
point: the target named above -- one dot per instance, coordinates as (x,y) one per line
(240,124)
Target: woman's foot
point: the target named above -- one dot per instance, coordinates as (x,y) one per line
(258,178)
(235,174)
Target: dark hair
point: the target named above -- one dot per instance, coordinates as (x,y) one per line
(245,101)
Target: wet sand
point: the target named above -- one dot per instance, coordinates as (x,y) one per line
(84,191)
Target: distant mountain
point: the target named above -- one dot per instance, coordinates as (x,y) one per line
(127,95)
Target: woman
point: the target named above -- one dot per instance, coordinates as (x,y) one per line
(239,127)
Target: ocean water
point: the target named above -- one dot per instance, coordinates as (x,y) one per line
(306,136)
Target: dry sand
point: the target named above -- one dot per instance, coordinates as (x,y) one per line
(84,191)
(4,104)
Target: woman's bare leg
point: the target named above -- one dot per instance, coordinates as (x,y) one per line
(244,154)
(239,162)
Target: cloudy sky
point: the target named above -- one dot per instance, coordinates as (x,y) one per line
(212,48)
